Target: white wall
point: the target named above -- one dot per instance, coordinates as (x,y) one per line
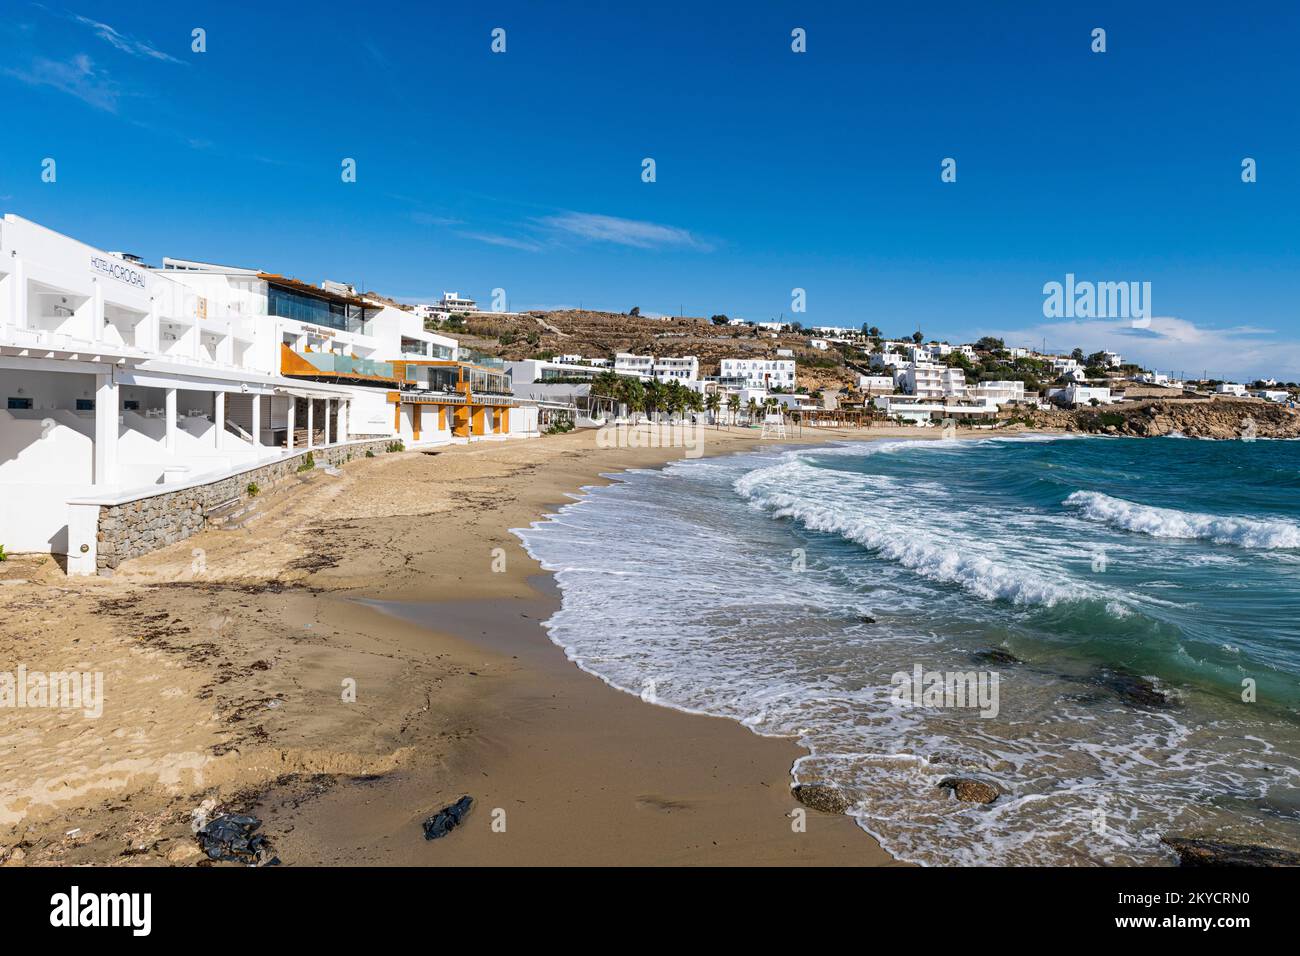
(44,460)
(523,421)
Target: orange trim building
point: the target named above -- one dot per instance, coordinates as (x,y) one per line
(468,400)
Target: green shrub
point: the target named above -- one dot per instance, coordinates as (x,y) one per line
(308,463)
(370,453)
(252,489)
(3,556)
(394,446)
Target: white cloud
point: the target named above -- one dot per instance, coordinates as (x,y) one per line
(1168,344)
(125,43)
(623,232)
(77,77)
(430,219)
(509,242)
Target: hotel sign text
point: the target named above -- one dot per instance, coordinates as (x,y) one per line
(118,271)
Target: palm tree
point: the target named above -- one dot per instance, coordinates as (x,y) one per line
(713,403)
(733,403)
(753,408)
(654,398)
(695,402)
(674,401)
(606,384)
(631,392)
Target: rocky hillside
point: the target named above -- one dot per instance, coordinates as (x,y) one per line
(601,334)
(1195,418)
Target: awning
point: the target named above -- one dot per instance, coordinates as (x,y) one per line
(124,376)
(308,393)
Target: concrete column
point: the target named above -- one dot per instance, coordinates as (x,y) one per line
(170,416)
(106,431)
(96,311)
(344,412)
(152,338)
(328,401)
(293,420)
(219,418)
(18,293)
(311,417)
(257,423)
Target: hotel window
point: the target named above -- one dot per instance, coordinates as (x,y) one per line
(303,308)
(85,404)
(20,404)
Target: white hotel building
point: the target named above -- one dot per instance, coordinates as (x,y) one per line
(929,380)
(640,366)
(998,392)
(759,373)
(120,383)
(685,370)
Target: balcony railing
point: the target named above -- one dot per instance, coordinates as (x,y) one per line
(345,365)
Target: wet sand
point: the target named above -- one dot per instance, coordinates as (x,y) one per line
(227,677)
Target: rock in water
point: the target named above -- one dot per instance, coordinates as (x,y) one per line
(1196,852)
(1132,689)
(970,790)
(995,655)
(825,797)
(447,819)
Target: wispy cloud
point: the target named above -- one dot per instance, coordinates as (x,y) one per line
(430,219)
(1169,344)
(509,242)
(623,232)
(77,77)
(127,44)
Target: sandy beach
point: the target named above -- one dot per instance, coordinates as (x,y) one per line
(350,663)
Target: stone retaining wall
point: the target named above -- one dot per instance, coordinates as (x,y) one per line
(133,528)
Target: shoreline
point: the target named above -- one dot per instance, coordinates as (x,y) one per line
(501,715)
(744,835)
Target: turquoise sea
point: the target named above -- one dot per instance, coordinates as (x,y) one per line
(1137,599)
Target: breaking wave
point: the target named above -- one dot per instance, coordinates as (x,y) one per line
(1171,523)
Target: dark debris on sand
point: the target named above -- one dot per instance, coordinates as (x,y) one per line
(447,819)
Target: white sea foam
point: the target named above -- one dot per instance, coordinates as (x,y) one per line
(924,540)
(1172,523)
(680,592)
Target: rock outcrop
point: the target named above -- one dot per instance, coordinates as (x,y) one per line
(1197,852)
(1222,418)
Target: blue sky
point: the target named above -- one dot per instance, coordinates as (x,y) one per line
(775,170)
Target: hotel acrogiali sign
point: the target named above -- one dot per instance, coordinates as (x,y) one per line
(117,270)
